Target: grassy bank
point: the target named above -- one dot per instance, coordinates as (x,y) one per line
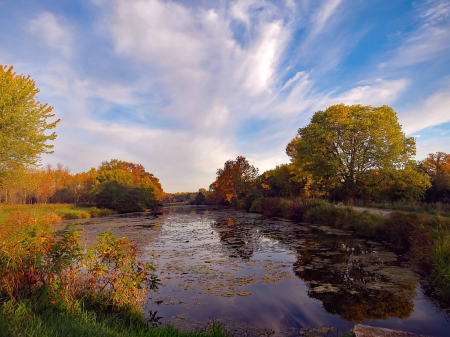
(427,237)
(65,211)
(437,208)
(30,320)
(52,286)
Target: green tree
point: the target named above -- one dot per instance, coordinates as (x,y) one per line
(344,143)
(199,198)
(23,121)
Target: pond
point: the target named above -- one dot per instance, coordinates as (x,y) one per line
(260,276)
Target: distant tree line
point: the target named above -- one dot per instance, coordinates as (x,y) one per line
(118,185)
(346,153)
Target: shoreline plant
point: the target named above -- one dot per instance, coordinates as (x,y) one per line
(426,237)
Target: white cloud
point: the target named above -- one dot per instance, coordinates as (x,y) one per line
(239,10)
(166,153)
(433,111)
(380,93)
(429,41)
(203,70)
(200,75)
(323,15)
(432,145)
(53,31)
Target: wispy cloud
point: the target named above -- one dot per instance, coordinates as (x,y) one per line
(435,108)
(182,86)
(53,31)
(429,41)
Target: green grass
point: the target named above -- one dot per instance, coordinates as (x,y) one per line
(430,209)
(24,319)
(65,211)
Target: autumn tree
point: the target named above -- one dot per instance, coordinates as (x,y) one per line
(23,120)
(437,167)
(342,144)
(235,179)
(126,187)
(200,197)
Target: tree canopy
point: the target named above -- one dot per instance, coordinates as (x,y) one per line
(126,187)
(23,121)
(342,144)
(437,167)
(234,180)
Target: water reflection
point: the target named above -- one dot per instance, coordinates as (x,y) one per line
(351,278)
(273,275)
(241,240)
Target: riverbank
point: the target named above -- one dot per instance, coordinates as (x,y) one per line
(65,211)
(51,286)
(27,319)
(426,237)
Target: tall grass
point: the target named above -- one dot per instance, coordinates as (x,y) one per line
(437,208)
(65,211)
(426,236)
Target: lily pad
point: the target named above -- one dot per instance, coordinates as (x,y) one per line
(244,293)
(325,288)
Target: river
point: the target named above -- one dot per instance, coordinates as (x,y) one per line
(260,276)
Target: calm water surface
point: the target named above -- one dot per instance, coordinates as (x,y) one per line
(262,276)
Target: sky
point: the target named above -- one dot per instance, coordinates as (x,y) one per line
(182,86)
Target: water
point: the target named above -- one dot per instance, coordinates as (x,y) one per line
(262,276)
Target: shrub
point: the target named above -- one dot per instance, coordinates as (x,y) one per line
(99,212)
(440,259)
(272,207)
(364,223)
(35,263)
(322,213)
(296,212)
(257,206)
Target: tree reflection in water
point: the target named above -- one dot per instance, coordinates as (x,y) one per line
(240,240)
(351,278)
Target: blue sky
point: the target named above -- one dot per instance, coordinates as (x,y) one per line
(183,86)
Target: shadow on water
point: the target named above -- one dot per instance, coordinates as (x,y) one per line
(263,276)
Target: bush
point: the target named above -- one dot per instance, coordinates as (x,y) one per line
(257,206)
(322,213)
(124,198)
(37,264)
(296,212)
(272,207)
(97,212)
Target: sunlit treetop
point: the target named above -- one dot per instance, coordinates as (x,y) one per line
(23,121)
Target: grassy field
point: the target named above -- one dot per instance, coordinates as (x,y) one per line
(65,211)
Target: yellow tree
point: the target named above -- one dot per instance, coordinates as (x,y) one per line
(23,120)
(343,143)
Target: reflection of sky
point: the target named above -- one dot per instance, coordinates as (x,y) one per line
(277,306)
